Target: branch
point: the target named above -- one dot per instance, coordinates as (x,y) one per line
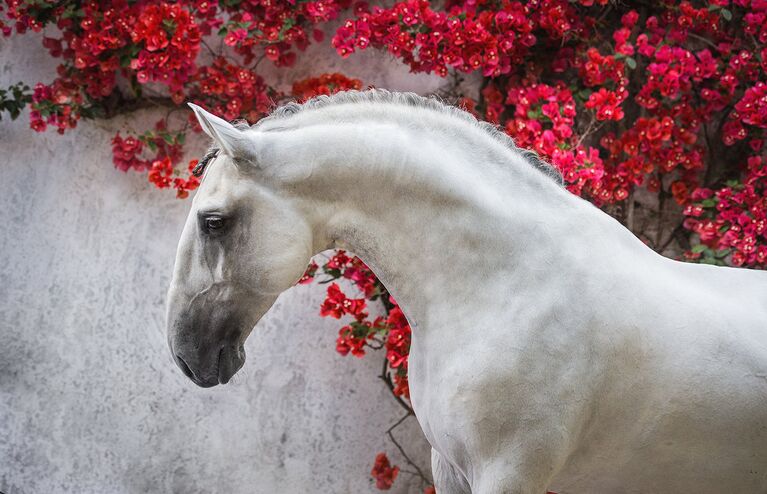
(118,104)
(671,238)
(661,209)
(418,472)
(701,38)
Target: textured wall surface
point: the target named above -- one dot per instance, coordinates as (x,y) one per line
(90,401)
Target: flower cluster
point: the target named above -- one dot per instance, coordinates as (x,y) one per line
(169,41)
(164,149)
(153,47)
(58,105)
(231,91)
(617,99)
(324,84)
(467,37)
(126,153)
(731,222)
(383,472)
(390,332)
(161,173)
(272,28)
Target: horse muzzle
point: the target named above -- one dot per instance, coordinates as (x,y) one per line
(207,369)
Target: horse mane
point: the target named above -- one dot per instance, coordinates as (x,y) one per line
(412,100)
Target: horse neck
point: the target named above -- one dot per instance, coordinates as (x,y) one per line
(440,217)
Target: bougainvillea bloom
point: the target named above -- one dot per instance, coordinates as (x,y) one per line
(383,472)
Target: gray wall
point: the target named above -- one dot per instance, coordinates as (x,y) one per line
(90,401)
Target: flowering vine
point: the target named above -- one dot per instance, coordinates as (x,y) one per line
(654,111)
(389,332)
(670,98)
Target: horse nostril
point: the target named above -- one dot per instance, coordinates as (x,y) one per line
(184,367)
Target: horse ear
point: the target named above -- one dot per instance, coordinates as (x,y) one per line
(231,140)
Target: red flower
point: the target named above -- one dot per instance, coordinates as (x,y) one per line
(383,472)
(125,153)
(333,304)
(347,342)
(160,173)
(607,104)
(324,84)
(336,304)
(308,275)
(398,341)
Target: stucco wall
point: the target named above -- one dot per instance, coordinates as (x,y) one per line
(90,401)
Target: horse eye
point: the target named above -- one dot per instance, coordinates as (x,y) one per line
(214,223)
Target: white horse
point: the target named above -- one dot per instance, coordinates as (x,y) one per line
(551,349)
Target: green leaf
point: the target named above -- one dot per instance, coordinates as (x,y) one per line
(169,25)
(534,114)
(14,99)
(708,203)
(168,139)
(92,111)
(726,14)
(631,63)
(721,254)
(335,273)
(359,330)
(698,249)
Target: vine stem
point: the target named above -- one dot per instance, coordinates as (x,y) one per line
(671,238)
(661,210)
(418,472)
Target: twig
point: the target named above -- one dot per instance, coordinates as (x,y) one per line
(253,67)
(377,346)
(630,213)
(588,130)
(410,462)
(701,38)
(671,238)
(661,208)
(206,45)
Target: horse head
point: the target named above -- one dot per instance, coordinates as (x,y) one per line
(241,246)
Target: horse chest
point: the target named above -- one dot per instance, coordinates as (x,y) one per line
(469,389)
